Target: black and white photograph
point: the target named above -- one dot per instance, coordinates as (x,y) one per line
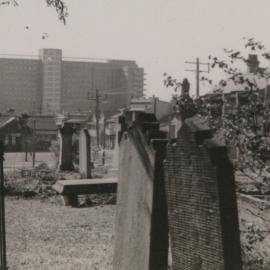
(134,135)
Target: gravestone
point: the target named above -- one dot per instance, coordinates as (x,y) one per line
(141,237)
(203,217)
(65,157)
(84,153)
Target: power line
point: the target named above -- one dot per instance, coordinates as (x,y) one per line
(198,71)
(98,100)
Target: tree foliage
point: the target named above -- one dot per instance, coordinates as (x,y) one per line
(239,109)
(243,115)
(58,5)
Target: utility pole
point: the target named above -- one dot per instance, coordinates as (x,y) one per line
(34,143)
(104,132)
(155,104)
(198,71)
(97,101)
(97,115)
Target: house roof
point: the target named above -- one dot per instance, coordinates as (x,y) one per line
(11,124)
(39,123)
(42,123)
(231,86)
(141,101)
(4,120)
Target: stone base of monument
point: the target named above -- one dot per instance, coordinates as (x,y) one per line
(112,172)
(70,189)
(70,200)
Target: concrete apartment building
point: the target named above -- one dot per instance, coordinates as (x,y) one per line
(49,83)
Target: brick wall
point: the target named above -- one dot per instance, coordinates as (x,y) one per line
(203,220)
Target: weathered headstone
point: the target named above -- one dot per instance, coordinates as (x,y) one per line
(203,218)
(65,157)
(141,241)
(84,153)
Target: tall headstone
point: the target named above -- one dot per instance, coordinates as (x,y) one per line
(84,153)
(203,217)
(141,238)
(116,145)
(65,157)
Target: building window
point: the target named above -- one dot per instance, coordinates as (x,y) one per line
(6,140)
(13,139)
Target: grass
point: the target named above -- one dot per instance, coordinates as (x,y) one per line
(45,235)
(42,234)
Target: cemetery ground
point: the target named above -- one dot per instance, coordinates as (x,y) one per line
(15,160)
(43,234)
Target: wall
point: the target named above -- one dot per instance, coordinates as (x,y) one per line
(51,80)
(49,83)
(20,85)
(80,81)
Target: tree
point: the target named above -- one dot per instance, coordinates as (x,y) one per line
(242,116)
(58,5)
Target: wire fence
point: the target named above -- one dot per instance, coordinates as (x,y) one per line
(17,161)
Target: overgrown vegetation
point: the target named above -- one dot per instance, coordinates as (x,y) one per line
(243,117)
(29,183)
(238,109)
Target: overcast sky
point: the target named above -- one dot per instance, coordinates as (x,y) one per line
(159,34)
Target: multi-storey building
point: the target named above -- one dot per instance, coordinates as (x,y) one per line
(51,84)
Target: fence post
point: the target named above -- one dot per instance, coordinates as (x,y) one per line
(2,210)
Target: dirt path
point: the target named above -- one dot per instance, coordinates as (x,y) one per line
(42,235)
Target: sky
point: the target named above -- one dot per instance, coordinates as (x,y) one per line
(159,34)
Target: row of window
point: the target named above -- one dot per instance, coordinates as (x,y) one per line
(55,84)
(10,139)
(53,73)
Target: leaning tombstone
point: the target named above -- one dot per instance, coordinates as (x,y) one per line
(141,238)
(203,217)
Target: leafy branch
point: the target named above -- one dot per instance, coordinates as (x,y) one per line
(241,116)
(58,5)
